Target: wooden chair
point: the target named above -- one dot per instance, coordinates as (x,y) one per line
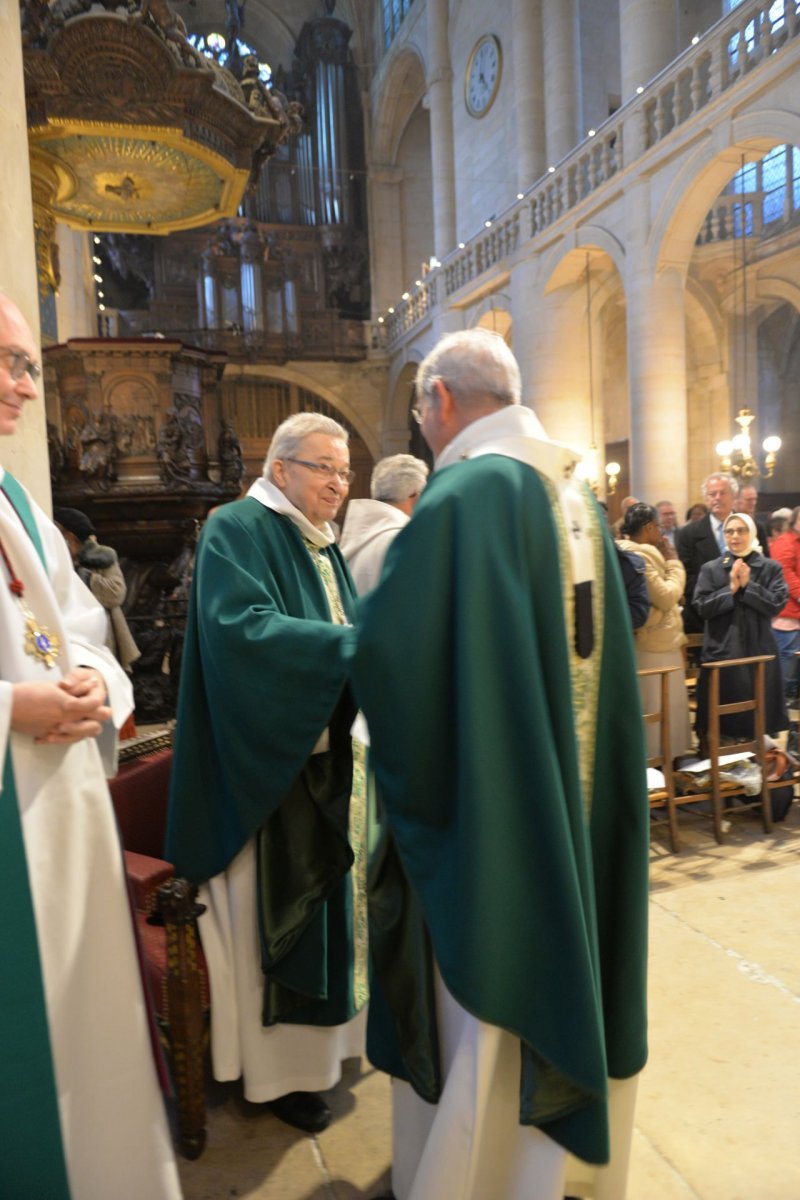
(721,791)
(166,919)
(663,797)
(694,644)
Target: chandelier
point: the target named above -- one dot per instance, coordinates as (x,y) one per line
(736,456)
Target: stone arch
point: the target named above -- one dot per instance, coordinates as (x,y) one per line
(569,391)
(401,398)
(704,173)
(559,264)
(401,197)
(311,384)
(402,89)
(494,313)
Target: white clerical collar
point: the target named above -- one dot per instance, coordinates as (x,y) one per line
(272,497)
(500,430)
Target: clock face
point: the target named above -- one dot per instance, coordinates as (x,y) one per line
(483,75)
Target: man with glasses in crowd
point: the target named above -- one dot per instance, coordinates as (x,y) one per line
(508,910)
(79,1097)
(263,809)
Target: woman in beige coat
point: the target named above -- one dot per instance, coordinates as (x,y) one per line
(660,640)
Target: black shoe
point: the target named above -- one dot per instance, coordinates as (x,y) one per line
(303,1110)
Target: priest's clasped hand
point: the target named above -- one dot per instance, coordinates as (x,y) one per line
(68,711)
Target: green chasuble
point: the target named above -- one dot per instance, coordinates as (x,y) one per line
(512,774)
(263,675)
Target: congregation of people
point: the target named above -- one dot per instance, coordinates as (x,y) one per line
(730,574)
(456,883)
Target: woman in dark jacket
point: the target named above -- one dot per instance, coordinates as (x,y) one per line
(737,595)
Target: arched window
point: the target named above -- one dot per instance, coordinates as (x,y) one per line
(767,191)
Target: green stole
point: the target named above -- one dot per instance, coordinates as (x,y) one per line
(32,1162)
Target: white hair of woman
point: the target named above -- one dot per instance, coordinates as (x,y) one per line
(472,364)
(291,432)
(397,478)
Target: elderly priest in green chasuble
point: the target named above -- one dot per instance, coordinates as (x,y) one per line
(266,809)
(508,895)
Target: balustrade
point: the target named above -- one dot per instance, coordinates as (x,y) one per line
(733,47)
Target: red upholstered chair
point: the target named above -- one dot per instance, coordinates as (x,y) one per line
(166,916)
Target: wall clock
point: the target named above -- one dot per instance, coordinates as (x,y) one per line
(483,75)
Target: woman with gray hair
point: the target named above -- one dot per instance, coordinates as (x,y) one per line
(371,526)
(261,812)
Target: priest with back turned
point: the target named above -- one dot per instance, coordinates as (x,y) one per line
(508,893)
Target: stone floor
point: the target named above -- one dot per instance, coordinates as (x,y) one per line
(719,1102)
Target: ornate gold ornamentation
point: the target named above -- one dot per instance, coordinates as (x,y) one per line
(131,130)
(40,643)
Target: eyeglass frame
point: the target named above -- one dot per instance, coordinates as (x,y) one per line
(20,364)
(326,469)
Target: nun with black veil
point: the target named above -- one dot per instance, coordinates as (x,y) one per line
(737,595)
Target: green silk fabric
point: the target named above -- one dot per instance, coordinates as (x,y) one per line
(305,898)
(32,1160)
(264,672)
(534,895)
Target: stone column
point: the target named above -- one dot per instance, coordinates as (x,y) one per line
(25,454)
(440,106)
(385,221)
(656,329)
(647,41)
(559,39)
(528,100)
(549,340)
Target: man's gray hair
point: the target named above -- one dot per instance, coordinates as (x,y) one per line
(731,479)
(287,437)
(398,477)
(472,364)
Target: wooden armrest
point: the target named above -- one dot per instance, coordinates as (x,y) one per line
(146,875)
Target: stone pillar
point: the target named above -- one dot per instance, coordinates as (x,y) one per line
(440,105)
(647,41)
(528,100)
(550,343)
(559,38)
(385,220)
(656,328)
(25,454)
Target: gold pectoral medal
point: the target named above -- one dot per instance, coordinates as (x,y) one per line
(40,643)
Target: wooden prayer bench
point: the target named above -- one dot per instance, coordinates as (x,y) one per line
(721,791)
(166,919)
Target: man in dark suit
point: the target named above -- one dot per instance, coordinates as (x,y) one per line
(701,541)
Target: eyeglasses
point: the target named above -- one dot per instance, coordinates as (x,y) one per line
(328,470)
(19,363)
